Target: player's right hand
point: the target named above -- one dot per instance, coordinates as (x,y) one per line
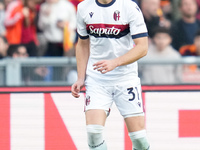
(76,88)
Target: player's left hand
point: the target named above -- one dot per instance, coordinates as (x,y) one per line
(105,66)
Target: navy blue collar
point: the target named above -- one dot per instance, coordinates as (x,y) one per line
(105,5)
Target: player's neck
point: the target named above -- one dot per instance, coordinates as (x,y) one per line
(104,1)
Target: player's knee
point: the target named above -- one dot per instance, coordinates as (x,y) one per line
(95,135)
(139,140)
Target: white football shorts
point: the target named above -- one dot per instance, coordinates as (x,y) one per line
(127,97)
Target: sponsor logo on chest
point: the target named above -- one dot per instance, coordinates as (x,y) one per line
(103,30)
(107,30)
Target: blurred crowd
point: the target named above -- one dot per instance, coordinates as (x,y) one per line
(48,28)
(44,28)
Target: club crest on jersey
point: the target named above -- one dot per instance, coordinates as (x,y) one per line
(116,15)
(87,100)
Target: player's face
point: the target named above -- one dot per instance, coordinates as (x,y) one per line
(162,40)
(188,8)
(197,44)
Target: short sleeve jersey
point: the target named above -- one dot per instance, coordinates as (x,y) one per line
(111,28)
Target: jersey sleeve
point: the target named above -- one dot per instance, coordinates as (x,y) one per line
(136,22)
(81,26)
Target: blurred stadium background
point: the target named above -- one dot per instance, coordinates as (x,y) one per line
(38,112)
(42,114)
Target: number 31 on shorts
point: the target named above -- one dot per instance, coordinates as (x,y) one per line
(131,91)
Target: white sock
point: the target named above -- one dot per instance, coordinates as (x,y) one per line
(95,137)
(139,140)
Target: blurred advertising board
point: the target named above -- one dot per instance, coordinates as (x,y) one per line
(49,118)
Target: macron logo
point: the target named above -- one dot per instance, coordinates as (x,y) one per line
(137,8)
(91,14)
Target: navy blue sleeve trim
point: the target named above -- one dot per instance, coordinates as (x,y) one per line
(83,37)
(139,35)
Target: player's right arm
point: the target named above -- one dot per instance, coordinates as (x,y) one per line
(82,51)
(82,56)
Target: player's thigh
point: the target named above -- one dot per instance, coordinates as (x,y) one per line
(135,123)
(98,102)
(95,116)
(128,100)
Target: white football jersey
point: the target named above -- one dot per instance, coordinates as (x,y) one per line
(111,29)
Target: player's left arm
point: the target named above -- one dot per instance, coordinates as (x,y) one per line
(139,34)
(139,51)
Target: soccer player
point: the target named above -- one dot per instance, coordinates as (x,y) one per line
(112,37)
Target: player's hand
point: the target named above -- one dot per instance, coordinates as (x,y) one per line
(105,66)
(76,88)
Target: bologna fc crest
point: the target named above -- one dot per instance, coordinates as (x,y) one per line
(87,100)
(116,15)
